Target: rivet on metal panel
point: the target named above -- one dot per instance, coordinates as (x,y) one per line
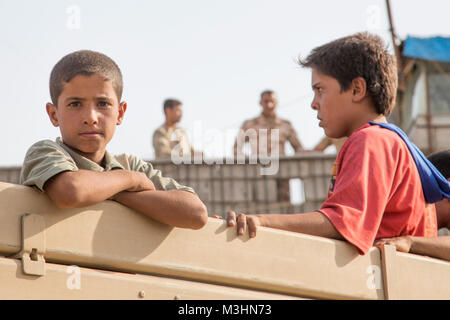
(177,297)
(142,294)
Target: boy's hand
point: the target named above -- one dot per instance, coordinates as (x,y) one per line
(141,182)
(403,244)
(242,221)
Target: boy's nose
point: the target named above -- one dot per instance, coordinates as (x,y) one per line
(91,116)
(314,104)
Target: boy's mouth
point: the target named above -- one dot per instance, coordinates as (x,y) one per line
(91,134)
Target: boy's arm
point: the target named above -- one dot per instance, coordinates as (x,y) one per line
(313,223)
(75,189)
(438,247)
(176,208)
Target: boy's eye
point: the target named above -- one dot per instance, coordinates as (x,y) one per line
(74,104)
(103,104)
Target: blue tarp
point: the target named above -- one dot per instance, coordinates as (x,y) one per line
(434,185)
(434,49)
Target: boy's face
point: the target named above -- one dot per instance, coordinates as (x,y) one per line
(87,114)
(334,108)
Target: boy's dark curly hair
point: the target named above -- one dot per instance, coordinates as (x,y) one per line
(359,55)
(441,161)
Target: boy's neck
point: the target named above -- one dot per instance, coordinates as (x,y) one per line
(97,157)
(365,118)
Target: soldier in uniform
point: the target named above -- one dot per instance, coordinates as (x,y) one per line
(169,135)
(258,132)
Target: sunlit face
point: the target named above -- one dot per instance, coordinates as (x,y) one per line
(87,115)
(175,113)
(269,103)
(334,109)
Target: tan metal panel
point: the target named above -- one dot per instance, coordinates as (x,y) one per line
(110,236)
(71,282)
(410,276)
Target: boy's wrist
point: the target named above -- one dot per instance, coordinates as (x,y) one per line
(261,219)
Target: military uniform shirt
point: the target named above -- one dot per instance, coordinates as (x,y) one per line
(46,159)
(286,133)
(166,139)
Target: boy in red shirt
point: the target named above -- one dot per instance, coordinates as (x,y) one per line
(376,190)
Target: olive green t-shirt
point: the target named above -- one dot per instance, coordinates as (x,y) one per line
(46,159)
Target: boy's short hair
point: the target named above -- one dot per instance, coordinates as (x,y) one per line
(359,55)
(170,103)
(84,62)
(441,160)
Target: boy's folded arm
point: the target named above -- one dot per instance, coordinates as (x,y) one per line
(74,189)
(176,208)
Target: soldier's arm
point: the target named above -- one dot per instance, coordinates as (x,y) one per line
(294,140)
(241,139)
(323,144)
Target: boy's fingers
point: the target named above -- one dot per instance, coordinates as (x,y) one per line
(231,218)
(252,226)
(217,217)
(241,224)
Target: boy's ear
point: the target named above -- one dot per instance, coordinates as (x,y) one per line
(122,109)
(359,89)
(52,113)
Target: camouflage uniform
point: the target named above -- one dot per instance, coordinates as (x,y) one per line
(165,139)
(286,133)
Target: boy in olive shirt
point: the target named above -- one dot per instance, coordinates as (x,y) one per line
(77,171)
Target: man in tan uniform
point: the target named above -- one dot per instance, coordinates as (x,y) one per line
(263,126)
(169,137)
(266,143)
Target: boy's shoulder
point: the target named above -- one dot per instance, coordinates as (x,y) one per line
(43,147)
(373,136)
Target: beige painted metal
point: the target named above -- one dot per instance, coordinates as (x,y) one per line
(410,276)
(113,237)
(71,282)
(109,236)
(32,244)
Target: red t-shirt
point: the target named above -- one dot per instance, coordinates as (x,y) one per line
(375,190)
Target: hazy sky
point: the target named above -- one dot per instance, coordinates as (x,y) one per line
(215,56)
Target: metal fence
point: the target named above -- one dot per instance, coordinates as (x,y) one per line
(299,185)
